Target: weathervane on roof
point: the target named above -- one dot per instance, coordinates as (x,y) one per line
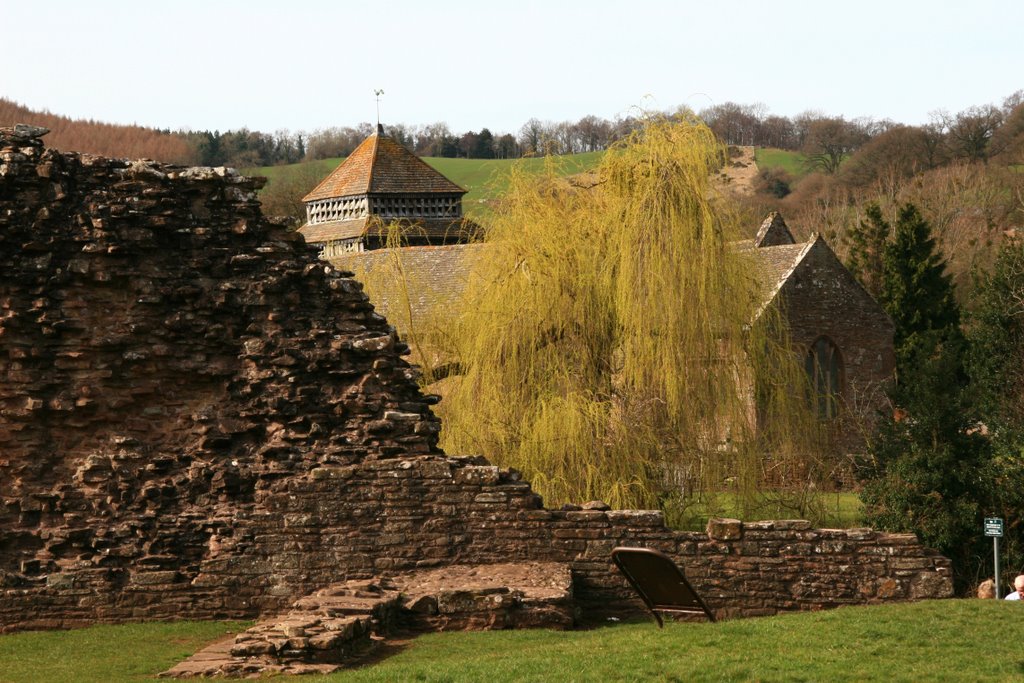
(378,93)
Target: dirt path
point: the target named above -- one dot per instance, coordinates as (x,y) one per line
(737,176)
(739,172)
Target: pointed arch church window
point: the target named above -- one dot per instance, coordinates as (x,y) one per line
(824,366)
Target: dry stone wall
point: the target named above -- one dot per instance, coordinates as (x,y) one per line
(199,419)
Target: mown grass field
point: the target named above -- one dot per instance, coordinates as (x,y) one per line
(132,652)
(828,510)
(791,162)
(485,179)
(947,640)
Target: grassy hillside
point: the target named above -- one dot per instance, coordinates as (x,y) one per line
(484,178)
(488,178)
(936,640)
(791,162)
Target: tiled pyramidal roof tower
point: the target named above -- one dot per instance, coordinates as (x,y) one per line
(382,184)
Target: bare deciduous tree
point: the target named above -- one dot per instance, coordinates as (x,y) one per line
(969,133)
(830,140)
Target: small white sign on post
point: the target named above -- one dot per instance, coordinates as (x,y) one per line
(994,528)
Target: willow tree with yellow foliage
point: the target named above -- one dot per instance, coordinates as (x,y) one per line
(614,346)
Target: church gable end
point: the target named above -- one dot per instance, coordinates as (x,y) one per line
(820,298)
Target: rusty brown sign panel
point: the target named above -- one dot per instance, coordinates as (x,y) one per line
(659,582)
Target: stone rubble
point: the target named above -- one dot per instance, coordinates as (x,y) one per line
(337,625)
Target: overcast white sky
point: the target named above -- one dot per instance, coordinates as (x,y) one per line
(303,64)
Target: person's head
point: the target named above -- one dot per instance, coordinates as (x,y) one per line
(1018,584)
(987,589)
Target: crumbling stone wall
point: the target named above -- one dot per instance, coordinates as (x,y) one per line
(199,419)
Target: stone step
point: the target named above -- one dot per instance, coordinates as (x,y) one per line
(317,635)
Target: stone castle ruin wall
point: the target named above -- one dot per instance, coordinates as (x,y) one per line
(199,419)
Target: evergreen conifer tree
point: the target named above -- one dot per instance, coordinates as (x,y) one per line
(867,244)
(995,365)
(995,360)
(917,294)
(930,471)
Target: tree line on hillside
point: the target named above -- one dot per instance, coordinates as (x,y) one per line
(977,133)
(825,140)
(961,170)
(106,139)
(535,137)
(733,123)
(244,148)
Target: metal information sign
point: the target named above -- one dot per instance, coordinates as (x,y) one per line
(993,526)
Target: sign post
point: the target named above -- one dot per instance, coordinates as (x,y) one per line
(994,528)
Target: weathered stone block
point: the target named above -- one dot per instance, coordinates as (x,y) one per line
(491,498)
(636,518)
(722,529)
(155,578)
(479,475)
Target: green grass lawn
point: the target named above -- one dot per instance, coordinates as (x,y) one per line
(484,178)
(132,652)
(791,162)
(943,640)
(827,510)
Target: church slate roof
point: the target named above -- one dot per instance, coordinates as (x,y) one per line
(380,165)
(775,264)
(438,275)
